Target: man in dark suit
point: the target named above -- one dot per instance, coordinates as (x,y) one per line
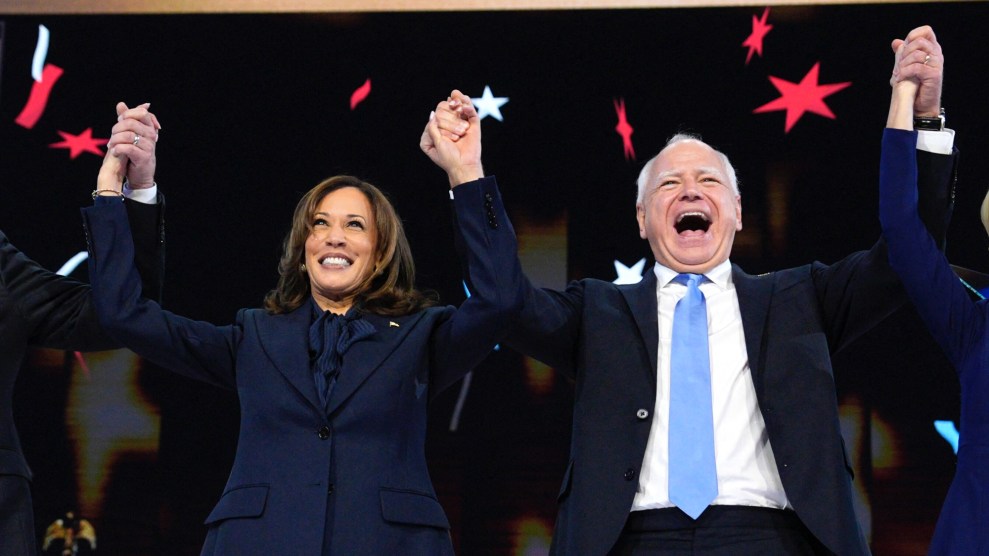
(757,465)
(42,309)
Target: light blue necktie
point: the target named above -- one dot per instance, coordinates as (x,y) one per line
(693,474)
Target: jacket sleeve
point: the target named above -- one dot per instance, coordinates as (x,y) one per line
(196,349)
(545,323)
(549,324)
(861,291)
(485,241)
(57,311)
(953,319)
(147,223)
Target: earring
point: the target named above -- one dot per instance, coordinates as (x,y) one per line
(302,267)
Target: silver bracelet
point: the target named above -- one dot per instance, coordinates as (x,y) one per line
(101,193)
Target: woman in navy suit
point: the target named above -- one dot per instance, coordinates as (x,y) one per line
(334,373)
(959,325)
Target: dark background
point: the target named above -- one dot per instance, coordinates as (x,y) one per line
(255,110)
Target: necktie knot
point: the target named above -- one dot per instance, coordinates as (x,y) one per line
(690,280)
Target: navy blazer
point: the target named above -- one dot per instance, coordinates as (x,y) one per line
(605,337)
(352,481)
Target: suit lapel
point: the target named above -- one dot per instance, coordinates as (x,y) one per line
(285,339)
(366,356)
(641,299)
(754,296)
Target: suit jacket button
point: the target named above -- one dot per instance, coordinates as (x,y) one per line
(642,414)
(488,197)
(323,433)
(329,489)
(629,474)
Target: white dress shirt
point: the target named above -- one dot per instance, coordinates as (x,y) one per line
(937,142)
(148,196)
(747,474)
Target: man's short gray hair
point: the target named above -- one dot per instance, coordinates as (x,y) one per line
(643,181)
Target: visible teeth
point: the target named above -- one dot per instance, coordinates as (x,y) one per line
(335,261)
(697,214)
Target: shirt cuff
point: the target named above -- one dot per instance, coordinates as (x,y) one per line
(148,196)
(937,142)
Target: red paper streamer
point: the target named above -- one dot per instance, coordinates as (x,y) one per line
(360,94)
(36,103)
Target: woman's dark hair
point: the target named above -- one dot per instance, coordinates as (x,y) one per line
(390,287)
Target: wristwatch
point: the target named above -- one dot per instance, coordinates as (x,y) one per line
(930,124)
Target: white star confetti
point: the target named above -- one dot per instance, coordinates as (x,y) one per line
(489,105)
(629,274)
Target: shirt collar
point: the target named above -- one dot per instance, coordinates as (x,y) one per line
(719,275)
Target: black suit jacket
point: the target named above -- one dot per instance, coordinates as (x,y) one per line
(605,336)
(42,309)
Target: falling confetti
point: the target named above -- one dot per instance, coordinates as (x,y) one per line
(624,129)
(72,263)
(40,91)
(489,105)
(360,94)
(759,31)
(806,96)
(78,144)
(629,274)
(67,269)
(949,432)
(40,53)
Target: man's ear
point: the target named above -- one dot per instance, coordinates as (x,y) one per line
(640,216)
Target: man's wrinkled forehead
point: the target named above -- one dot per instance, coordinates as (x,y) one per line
(680,172)
(662,171)
(700,159)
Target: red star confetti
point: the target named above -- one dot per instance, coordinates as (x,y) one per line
(78,144)
(759,31)
(806,96)
(624,129)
